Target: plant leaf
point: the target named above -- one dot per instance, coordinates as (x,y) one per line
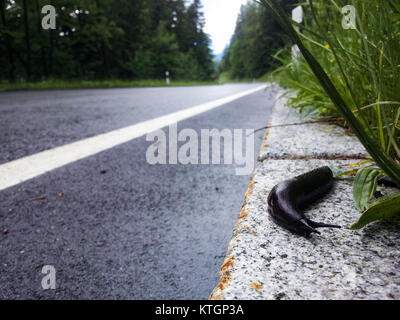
(384,208)
(365,184)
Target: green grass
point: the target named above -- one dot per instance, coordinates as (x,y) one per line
(355,74)
(82,84)
(225,77)
(363,65)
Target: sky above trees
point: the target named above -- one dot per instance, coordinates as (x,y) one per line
(221,16)
(257,38)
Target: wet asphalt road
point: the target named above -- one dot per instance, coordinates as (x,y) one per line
(114,226)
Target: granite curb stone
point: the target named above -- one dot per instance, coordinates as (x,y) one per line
(316,140)
(267,262)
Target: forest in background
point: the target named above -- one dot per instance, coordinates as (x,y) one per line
(257,38)
(104,39)
(124,42)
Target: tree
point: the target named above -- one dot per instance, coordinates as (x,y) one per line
(42,48)
(7,40)
(27,41)
(99,39)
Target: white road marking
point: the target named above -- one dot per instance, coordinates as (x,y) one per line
(17,171)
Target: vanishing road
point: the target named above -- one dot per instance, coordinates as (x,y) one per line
(113,225)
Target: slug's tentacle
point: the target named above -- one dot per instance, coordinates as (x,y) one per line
(286,200)
(321,225)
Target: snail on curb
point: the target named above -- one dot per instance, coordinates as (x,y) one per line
(287,199)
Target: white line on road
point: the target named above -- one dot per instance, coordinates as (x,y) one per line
(17,171)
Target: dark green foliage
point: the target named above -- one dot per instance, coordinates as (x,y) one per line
(104,39)
(257,38)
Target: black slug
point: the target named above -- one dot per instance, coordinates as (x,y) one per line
(287,199)
(387,182)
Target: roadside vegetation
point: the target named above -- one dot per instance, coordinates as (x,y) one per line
(353,74)
(91,84)
(97,41)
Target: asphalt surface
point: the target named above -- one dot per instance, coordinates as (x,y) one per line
(112,225)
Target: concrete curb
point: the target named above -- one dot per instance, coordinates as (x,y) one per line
(264,261)
(310,141)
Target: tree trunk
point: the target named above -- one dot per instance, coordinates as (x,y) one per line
(28,42)
(105,72)
(51,48)
(11,74)
(42,49)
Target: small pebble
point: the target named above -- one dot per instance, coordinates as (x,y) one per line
(280,296)
(378,195)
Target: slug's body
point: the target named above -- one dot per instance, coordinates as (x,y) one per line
(387,182)
(286,200)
